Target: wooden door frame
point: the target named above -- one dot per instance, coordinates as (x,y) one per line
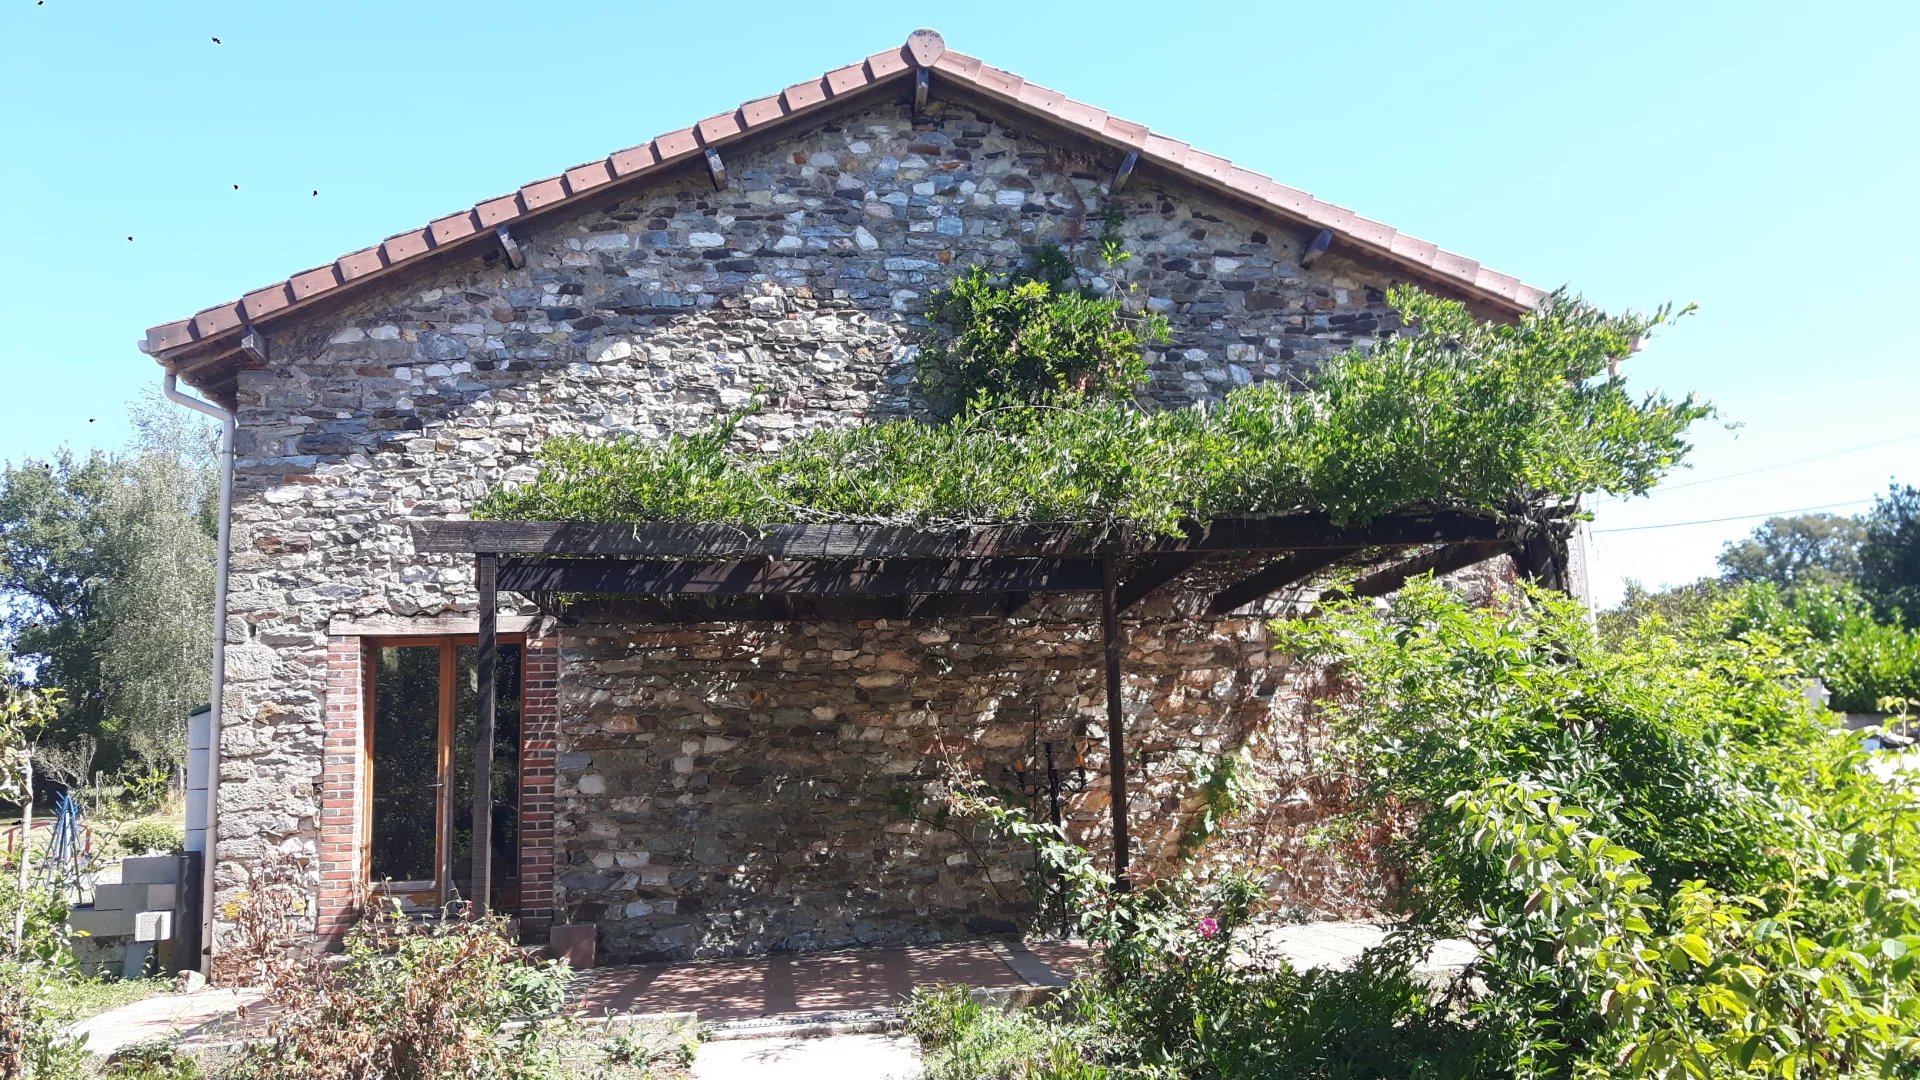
(448,704)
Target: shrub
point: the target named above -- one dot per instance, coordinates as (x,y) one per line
(443,999)
(1036,336)
(149,838)
(1859,658)
(151,1061)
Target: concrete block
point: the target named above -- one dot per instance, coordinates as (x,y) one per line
(150,870)
(197,810)
(199,767)
(196,840)
(153,926)
(574,943)
(98,923)
(161,897)
(135,964)
(199,731)
(120,897)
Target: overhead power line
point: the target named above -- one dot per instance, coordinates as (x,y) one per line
(1786,464)
(1736,517)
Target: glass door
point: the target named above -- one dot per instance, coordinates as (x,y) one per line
(419,747)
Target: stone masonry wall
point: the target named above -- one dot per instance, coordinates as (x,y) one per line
(804,277)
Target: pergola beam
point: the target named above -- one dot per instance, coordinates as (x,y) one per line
(1155,572)
(900,577)
(1439,562)
(714,541)
(1276,575)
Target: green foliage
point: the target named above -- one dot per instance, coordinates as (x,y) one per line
(1890,554)
(961,1039)
(1682,610)
(158,1060)
(1672,866)
(1460,414)
(149,837)
(1035,336)
(1800,550)
(106,567)
(1837,636)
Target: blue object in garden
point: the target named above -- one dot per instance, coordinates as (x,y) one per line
(60,865)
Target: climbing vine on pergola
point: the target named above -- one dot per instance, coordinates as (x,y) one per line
(1440,447)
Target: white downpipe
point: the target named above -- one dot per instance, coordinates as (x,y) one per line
(214,720)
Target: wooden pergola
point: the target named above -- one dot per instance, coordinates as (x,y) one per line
(701,573)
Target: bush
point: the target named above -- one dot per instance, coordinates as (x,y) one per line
(149,838)
(443,999)
(1859,658)
(1669,865)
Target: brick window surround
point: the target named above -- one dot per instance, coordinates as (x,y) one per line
(342,785)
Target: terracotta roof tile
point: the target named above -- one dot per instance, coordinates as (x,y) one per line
(360,263)
(764,111)
(217,319)
(313,282)
(1125,131)
(883,65)
(498,211)
(847,79)
(541,193)
(453,227)
(633,159)
(804,95)
(260,303)
(171,335)
(717,128)
(589,176)
(406,245)
(923,49)
(675,143)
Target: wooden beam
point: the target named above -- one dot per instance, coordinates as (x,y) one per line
(1116,726)
(1276,575)
(1154,572)
(1316,247)
(688,610)
(1439,562)
(484,574)
(717,541)
(1123,173)
(254,345)
(922,84)
(716,169)
(900,577)
(511,247)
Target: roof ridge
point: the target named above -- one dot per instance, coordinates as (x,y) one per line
(924,51)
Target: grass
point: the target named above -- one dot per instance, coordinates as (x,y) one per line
(91,997)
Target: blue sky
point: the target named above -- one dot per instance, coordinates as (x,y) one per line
(1757,158)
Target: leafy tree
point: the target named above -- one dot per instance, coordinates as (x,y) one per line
(1680,609)
(1803,549)
(53,540)
(1890,553)
(106,569)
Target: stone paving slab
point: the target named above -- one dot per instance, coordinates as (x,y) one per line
(720,991)
(840,1057)
(172,1017)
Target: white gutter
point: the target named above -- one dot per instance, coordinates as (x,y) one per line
(226,419)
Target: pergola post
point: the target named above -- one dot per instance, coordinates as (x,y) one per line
(1116,722)
(484,703)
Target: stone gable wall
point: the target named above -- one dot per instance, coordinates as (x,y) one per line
(804,277)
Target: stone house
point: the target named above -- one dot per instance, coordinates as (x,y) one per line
(700,788)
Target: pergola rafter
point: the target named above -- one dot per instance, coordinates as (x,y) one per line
(706,572)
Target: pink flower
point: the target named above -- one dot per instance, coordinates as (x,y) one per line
(1209,927)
